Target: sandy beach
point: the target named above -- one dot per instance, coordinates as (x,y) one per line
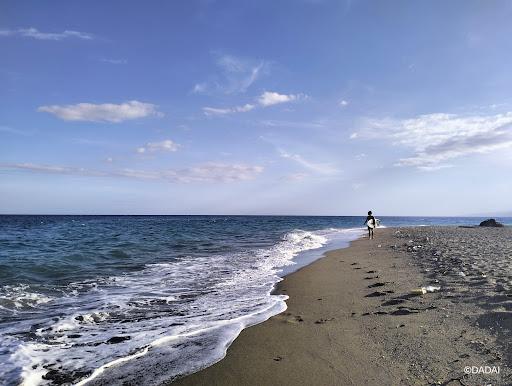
(352,318)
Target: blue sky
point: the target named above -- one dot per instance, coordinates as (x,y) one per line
(256,107)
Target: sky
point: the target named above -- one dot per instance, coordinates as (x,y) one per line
(303,107)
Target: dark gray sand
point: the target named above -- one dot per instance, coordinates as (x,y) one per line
(352,319)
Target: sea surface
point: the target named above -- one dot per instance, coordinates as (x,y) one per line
(143,299)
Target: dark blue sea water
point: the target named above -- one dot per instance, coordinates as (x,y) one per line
(108,298)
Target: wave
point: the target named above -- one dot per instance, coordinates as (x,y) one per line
(15,298)
(181,315)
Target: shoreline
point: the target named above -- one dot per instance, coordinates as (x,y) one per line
(351,320)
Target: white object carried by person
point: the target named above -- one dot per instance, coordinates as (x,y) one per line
(372,224)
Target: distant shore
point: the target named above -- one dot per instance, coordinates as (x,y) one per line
(352,317)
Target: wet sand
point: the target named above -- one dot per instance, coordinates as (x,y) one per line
(352,319)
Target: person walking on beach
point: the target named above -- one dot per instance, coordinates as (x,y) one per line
(370,223)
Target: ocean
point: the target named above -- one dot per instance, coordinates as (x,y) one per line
(144,299)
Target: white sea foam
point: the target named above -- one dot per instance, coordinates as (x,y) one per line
(21,297)
(173,318)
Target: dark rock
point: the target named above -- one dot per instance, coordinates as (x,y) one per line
(59,377)
(117,339)
(490,223)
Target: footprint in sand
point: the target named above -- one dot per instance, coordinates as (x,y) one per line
(372,271)
(404,311)
(278,358)
(375,294)
(322,321)
(288,317)
(371,277)
(393,302)
(354,264)
(376,285)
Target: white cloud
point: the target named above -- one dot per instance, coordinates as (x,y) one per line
(217,111)
(230,110)
(53,169)
(321,168)
(266,99)
(293,124)
(200,88)
(236,75)
(107,112)
(343,103)
(269,98)
(162,146)
(437,138)
(354,135)
(36,34)
(218,172)
(209,172)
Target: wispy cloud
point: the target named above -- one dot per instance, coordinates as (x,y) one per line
(11,130)
(321,168)
(437,138)
(343,103)
(264,100)
(107,112)
(36,34)
(235,76)
(269,98)
(230,110)
(211,172)
(162,146)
